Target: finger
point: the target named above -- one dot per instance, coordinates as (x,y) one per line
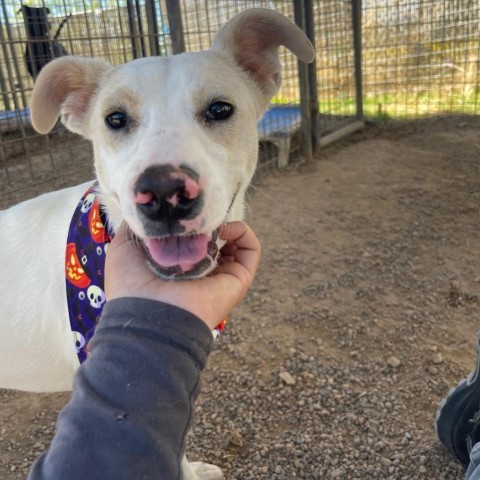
(237,279)
(226,258)
(228,250)
(124,252)
(247,259)
(245,247)
(233,231)
(239,234)
(121,233)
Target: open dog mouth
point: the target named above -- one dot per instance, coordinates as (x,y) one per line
(185,256)
(182,256)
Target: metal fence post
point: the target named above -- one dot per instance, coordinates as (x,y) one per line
(306,128)
(174,14)
(357,47)
(152,27)
(132,28)
(312,77)
(140,26)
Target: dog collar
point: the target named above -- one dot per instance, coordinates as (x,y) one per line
(218,330)
(87,244)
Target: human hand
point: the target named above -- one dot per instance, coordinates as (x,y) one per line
(210,298)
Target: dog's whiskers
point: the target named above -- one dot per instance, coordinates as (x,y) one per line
(262,192)
(249,212)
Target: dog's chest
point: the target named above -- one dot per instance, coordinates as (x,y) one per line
(87,244)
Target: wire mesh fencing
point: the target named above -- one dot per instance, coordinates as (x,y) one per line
(418,57)
(116,31)
(30,37)
(421,57)
(335,63)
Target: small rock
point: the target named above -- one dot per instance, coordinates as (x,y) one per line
(287,378)
(236,439)
(437,358)
(393,362)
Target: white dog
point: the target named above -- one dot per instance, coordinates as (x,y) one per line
(175,143)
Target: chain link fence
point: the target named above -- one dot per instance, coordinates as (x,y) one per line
(116,31)
(421,57)
(30,36)
(410,58)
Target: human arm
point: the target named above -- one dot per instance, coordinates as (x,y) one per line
(133,398)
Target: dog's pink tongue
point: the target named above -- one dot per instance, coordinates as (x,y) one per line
(173,251)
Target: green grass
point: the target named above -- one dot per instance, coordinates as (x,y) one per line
(393,106)
(404,106)
(399,106)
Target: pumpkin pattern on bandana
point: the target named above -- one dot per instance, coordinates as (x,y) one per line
(87,244)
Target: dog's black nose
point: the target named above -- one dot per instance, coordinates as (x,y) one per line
(166,194)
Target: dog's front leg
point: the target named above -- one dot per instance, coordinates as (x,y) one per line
(199,471)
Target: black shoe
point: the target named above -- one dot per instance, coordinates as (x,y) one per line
(458,416)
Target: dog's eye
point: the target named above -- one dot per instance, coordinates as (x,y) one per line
(116,120)
(219,111)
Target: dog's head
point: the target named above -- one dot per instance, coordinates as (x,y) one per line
(175,138)
(36,21)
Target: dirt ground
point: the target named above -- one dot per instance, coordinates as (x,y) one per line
(367,295)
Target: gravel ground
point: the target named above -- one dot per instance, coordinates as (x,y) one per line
(363,313)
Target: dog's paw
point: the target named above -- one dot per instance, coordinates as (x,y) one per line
(206,471)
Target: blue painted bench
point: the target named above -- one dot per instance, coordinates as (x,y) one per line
(277,126)
(10,120)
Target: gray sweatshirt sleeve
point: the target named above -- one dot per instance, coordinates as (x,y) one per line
(133,398)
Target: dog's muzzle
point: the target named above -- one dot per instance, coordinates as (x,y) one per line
(167,199)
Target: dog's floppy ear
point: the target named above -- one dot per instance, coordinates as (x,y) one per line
(253,37)
(65,87)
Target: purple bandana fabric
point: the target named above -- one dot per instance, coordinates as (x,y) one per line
(87,244)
